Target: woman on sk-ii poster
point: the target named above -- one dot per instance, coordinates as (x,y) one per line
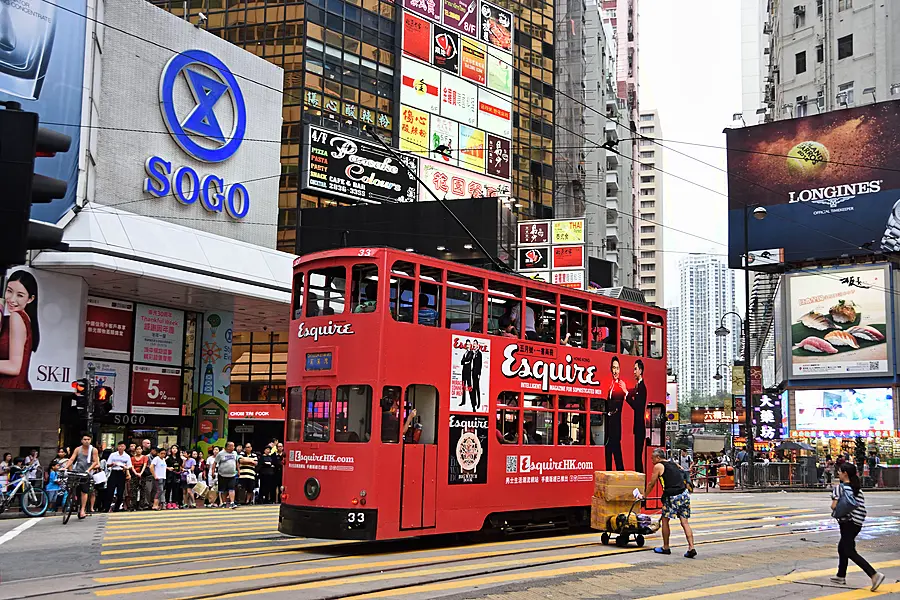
(19,330)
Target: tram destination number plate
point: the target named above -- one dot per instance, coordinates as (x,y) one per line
(356,520)
(319,361)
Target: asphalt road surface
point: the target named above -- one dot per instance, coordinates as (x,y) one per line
(750,546)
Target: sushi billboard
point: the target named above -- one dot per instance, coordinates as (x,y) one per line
(839,323)
(830,184)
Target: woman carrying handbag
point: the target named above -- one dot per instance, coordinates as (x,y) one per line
(848,506)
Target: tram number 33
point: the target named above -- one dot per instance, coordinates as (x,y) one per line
(356,520)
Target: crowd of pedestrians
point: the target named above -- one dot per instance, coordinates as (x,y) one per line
(144,477)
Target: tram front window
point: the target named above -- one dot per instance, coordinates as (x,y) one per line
(295,414)
(318,415)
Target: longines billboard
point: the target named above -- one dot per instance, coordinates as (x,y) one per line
(830,184)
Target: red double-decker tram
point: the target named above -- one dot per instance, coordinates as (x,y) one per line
(429,397)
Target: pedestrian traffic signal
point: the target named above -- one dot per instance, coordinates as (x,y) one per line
(22,140)
(104,400)
(78,398)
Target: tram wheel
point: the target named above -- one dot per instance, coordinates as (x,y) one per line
(604,539)
(622,541)
(639,540)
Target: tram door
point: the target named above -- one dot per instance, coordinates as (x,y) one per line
(418,494)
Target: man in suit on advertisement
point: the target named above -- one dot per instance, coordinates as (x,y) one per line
(475,394)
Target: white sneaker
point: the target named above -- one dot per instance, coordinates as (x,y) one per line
(839,580)
(877,580)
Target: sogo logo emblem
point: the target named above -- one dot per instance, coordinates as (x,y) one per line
(197,130)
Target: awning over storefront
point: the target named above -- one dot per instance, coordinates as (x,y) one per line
(138,258)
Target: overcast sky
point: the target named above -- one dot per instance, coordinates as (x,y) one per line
(690,71)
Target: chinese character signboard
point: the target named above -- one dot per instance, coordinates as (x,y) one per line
(445,51)
(496,26)
(108,329)
(570,279)
(416,37)
(462,15)
(413,131)
(451,183)
(158,335)
(839,323)
(498,153)
(534,258)
(715,416)
(444,140)
(568,231)
(534,232)
(421,85)
(567,255)
(767,418)
(473,66)
(426,8)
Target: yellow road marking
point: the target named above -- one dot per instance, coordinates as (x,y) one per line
(489,580)
(229,516)
(183,555)
(157,532)
(397,562)
(143,542)
(758,583)
(356,579)
(886,588)
(200,512)
(213,544)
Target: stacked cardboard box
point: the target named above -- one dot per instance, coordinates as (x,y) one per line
(613,495)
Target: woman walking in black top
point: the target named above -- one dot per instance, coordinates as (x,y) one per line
(851,525)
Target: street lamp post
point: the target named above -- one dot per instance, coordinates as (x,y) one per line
(759,213)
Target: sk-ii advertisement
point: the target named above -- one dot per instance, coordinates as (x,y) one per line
(213,379)
(41,67)
(830,184)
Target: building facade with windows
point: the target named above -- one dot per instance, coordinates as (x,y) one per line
(651,207)
(826,55)
(707,293)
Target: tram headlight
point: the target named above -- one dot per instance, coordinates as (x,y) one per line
(312,488)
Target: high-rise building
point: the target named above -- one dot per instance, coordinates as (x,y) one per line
(592,181)
(673,332)
(707,294)
(828,54)
(651,207)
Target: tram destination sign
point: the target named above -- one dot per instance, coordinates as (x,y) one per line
(347,167)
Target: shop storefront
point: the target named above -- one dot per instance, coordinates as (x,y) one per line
(258,424)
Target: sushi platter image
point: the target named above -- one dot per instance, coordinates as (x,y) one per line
(839,323)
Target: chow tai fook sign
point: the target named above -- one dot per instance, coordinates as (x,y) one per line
(839,323)
(829,183)
(338,165)
(258,412)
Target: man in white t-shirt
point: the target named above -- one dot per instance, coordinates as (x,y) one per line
(118,464)
(530,331)
(158,466)
(210,473)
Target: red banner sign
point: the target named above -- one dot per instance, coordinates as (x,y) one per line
(155,390)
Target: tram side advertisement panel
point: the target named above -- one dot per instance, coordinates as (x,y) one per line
(470,374)
(468,449)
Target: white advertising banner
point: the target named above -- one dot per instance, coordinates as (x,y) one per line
(41,333)
(452,183)
(500,71)
(459,99)
(158,335)
(445,132)
(421,85)
(494,114)
(839,323)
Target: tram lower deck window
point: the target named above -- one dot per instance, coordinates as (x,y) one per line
(294,414)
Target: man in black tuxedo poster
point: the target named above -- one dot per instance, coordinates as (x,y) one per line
(475,394)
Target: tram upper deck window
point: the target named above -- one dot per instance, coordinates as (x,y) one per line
(573,322)
(540,316)
(294,414)
(353,414)
(297,307)
(318,415)
(327,289)
(429,313)
(604,327)
(364,288)
(465,303)
(402,298)
(502,299)
(655,336)
(632,333)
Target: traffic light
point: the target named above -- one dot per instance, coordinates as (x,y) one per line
(22,140)
(78,398)
(104,400)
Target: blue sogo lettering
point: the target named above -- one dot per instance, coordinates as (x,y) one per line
(178,180)
(187,187)
(216,201)
(157,182)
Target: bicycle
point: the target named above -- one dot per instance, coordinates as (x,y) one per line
(33,500)
(69,485)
